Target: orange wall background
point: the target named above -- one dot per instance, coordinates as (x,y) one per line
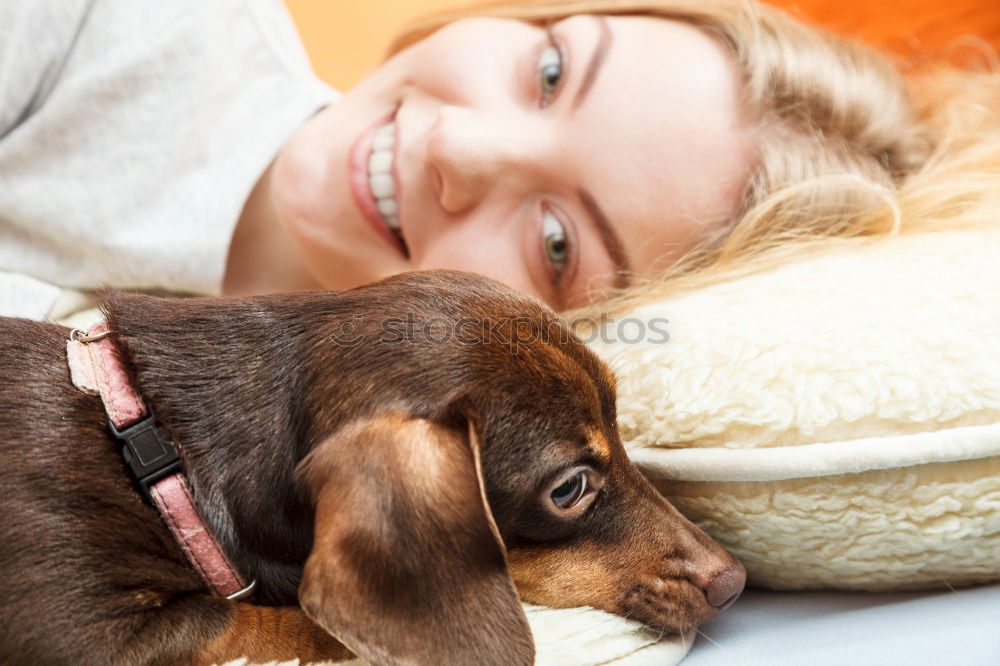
(347,38)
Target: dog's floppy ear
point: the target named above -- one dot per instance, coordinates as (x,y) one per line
(407,566)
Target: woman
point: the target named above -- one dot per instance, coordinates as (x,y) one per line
(570,149)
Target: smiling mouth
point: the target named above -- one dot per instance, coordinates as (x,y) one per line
(381,177)
(374,182)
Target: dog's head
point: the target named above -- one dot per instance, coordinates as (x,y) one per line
(482,455)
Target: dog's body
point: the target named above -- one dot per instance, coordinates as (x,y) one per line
(393,488)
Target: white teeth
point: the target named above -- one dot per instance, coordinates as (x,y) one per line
(385,138)
(380,177)
(387,207)
(380,162)
(382,185)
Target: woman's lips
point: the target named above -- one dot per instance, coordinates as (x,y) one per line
(357,169)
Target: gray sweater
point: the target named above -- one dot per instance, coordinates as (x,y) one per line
(131,134)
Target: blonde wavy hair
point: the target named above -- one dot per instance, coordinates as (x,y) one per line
(848,152)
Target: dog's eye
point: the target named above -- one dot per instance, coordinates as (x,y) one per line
(567,495)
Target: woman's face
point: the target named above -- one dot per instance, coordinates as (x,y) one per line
(561,162)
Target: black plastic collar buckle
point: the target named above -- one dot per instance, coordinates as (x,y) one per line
(148,452)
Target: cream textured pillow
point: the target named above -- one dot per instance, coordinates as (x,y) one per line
(834,422)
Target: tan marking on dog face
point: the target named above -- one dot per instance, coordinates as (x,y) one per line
(562,577)
(622,580)
(599,444)
(639,557)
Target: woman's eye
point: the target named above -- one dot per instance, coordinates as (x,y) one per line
(550,71)
(556,243)
(569,494)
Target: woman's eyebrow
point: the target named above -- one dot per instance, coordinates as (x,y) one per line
(597,57)
(610,239)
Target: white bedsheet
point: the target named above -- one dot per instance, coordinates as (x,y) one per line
(854,629)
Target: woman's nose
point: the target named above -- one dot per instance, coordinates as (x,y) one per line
(472,154)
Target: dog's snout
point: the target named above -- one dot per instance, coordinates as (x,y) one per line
(726,586)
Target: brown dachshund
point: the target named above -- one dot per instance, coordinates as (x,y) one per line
(397,466)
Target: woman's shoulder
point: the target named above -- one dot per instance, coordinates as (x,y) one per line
(35,39)
(215,35)
(161,119)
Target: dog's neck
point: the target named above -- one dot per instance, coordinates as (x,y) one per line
(233,403)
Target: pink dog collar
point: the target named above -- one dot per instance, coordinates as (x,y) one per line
(96,369)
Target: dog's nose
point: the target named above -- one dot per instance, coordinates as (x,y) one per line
(726,586)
